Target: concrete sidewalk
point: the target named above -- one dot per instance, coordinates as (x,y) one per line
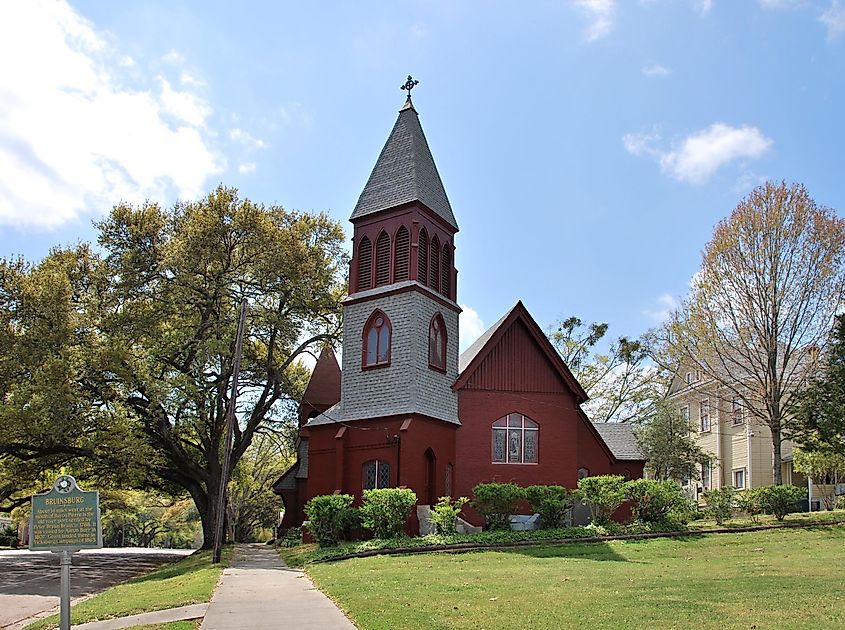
(259,591)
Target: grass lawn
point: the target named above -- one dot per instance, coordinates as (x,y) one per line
(188,581)
(770,579)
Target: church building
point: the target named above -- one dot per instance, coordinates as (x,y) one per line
(406,409)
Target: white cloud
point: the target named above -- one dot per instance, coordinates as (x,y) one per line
(834,19)
(470,327)
(247,168)
(656,71)
(174,57)
(698,156)
(242,137)
(666,304)
(601,14)
(74,136)
(703,6)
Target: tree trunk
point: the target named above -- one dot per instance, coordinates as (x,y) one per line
(777,477)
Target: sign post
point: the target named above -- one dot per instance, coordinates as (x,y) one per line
(65,520)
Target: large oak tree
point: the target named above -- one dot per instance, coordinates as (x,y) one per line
(144,362)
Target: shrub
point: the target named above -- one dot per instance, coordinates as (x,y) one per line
(385,510)
(292,538)
(720,503)
(603,493)
(327,515)
(654,501)
(496,502)
(551,502)
(750,502)
(780,500)
(840,503)
(445,514)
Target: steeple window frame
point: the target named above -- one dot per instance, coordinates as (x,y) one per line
(365,264)
(377,341)
(437,343)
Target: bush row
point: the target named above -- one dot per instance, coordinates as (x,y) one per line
(778,501)
(651,501)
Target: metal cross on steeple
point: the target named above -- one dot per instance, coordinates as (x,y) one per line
(409,85)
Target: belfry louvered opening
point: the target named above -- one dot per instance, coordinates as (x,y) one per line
(435,264)
(402,254)
(422,257)
(446,271)
(382,259)
(365,264)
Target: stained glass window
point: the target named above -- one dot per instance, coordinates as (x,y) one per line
(376,474)
(377,340)
(515,440)
(437,343)
(447,480)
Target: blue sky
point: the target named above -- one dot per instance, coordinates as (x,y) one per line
(588,147)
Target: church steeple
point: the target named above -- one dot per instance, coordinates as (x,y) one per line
(405,172)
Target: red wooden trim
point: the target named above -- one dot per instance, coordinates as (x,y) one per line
(412,285)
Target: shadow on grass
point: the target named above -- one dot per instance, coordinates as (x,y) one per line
(197,561)
(598,551)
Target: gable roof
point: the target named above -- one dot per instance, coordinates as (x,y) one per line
(620,439)
(472,358)
(323,389)
(405,172)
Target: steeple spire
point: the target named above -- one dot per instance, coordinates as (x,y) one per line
(405,170)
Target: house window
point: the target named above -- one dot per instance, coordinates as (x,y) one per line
(376,474)
(706,476)
(515,440)
(684,412)
(437,343)
(447,480)
(382,259)
(688,378)
(402,249)
(583,473)
(365,264)
(376,350)
(422,257)
(739,478)
(736,412)
(704,415)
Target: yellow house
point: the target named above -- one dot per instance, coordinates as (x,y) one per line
(739,443)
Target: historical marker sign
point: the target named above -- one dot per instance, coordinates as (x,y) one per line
(65,518)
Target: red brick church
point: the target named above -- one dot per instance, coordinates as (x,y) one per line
(406,409)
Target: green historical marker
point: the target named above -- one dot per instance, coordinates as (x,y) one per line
(65,520)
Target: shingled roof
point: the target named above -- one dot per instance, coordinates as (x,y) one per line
(620,439)
(405,172)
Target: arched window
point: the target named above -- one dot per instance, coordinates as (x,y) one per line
(515,440)
(437,343)
(382,259)
(365,264)
(435,264)
(375,474)
(402,252)
(447,480)
(446,271)
(583,473)
(422,257)
(376,347)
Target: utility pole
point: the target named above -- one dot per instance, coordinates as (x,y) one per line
(227,451)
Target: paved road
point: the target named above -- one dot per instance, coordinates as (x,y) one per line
(29,581)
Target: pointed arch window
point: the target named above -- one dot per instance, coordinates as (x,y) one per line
(422,257)
(447,480)
(402,251)
(377,337)
(365,264)
(375,474)
(515,440)
(437,343)
(446,271)
(382,259)
(435,264)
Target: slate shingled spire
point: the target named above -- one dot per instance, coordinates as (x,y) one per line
(405,172)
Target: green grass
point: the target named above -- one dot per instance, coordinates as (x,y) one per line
(784,578)
(188,581)
(303,554)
